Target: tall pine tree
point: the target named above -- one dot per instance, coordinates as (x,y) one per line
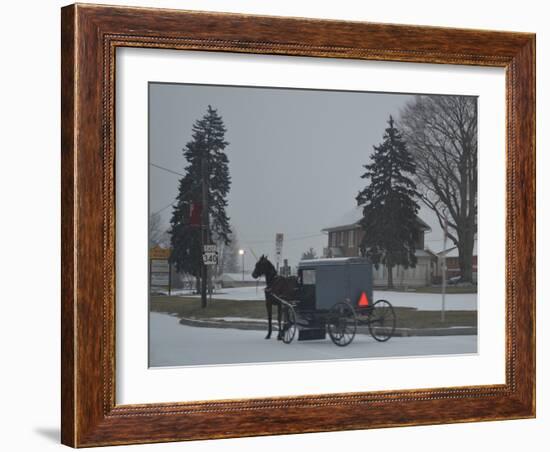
(207,142)
(389,204)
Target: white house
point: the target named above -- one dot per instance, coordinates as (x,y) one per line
(451,262)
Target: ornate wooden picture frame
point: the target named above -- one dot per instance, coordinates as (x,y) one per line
(90,37)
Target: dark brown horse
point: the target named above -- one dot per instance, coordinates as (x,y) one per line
(282,287)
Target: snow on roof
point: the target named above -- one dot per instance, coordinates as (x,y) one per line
(453,251)
(327,260)
(423,253)
(350,218)
(333,261)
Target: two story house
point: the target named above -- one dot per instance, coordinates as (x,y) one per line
(345,236)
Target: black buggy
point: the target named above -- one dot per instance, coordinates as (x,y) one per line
(335,296)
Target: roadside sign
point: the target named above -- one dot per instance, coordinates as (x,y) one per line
(210,258)
(160,266)
(159,274)
(210,255)
(159,253)
(160,280)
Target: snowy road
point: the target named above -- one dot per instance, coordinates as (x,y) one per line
(421,301)
(173,344)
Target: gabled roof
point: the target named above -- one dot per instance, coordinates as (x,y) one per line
(423,225)
(347,221)
(352,218)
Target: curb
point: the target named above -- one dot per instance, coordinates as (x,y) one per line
(237,325)
(399,332)
(453,331)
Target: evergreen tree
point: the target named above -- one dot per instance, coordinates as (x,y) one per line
(389,204)
(207,142)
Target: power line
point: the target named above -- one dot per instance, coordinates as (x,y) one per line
(166,169)
(305,237)
(175,199)
(165,207)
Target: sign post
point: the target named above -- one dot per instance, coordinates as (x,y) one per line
(444,271)
(160,270)
(278,248)
(205,221)
(209,258)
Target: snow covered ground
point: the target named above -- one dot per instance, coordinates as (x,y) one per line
(174,344)
(429,301)
(231,293)
(421,301)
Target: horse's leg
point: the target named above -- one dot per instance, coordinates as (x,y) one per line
(280,333)
(268,306)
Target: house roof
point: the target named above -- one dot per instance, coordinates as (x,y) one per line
(352,218)
(330,261)
(347,221)
(453,251)
(424,253)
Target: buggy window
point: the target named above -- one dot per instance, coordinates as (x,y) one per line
(308,277)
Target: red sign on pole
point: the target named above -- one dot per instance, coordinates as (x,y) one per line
(195,212)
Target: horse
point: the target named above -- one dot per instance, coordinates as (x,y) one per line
(283,287)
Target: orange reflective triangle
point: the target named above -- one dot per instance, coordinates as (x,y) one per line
(364,300)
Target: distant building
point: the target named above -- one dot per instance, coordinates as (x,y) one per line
(345,236)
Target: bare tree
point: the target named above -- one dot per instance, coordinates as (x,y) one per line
(441,133)
(228,253)
(158,236)
(309,254)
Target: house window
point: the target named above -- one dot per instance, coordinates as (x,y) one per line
(351,239)
(419,240)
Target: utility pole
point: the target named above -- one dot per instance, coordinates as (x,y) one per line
(241,253)
(205,227)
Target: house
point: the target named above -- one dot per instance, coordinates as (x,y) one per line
(345,236)
(452,264)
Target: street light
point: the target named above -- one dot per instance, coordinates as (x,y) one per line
(241,253)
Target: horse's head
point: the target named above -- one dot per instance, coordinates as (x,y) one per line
(263,268)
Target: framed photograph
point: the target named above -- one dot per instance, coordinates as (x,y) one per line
(281,225)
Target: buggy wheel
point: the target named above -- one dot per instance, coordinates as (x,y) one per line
(289,324)
(342,324)
(382,321)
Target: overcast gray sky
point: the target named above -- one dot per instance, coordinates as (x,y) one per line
(295,156)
